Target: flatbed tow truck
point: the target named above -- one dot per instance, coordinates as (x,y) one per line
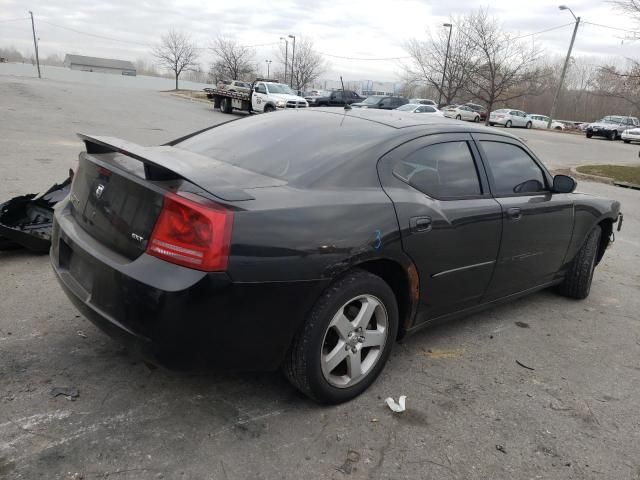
(265,96)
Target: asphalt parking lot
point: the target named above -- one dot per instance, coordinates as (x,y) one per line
(473,412)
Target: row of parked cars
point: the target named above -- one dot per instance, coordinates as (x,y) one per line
(471,112)
(612,127)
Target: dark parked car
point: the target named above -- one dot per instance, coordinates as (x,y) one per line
(334,99)
(315,258)
(381,102)
(611,126)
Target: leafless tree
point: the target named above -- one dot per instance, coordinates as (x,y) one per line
(308,64)
(504,68)
(176,52)
(618,83)
(233,61)
(426,66)
(631,7)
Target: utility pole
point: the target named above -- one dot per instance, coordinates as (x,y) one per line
(446,58)
(286,51)
(35,43)
(293,57)
(268,62)
(564,67)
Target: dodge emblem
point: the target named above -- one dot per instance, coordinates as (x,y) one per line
(99,191)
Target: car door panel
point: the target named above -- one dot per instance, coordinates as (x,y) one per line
(453,242)
(537,226)
(259,99)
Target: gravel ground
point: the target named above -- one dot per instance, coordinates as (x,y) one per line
(473,412)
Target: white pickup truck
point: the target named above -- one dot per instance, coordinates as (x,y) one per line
(263,97)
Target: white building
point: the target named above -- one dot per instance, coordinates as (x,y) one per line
(103,65)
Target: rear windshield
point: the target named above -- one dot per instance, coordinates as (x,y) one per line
(372,100)
(288,145)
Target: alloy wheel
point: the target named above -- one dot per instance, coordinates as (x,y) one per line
(354,341)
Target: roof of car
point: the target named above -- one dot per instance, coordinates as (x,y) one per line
(327,136)
(392,119)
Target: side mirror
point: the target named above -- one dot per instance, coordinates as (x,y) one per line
(563,184)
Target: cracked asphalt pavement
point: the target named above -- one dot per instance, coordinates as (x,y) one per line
(473,412)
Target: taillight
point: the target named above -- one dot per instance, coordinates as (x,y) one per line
(192,232)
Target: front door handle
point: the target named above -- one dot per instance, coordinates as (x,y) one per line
(514,213)
(420,224)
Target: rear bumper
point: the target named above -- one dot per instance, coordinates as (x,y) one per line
(175,316)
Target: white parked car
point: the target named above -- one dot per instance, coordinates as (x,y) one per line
(541,121)
(461,112)
(417,108)
(238,86)
(422,101)
(510,118)
(631,135)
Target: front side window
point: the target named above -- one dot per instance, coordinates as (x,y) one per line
(443,170)
(513,169)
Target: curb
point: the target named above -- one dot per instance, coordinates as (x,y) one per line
(587,176)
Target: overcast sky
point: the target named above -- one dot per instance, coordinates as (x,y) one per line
(350,28)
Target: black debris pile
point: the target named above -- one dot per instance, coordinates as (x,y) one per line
(26,221)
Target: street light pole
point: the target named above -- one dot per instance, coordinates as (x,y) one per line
(286,51)
(565,66)
(268,62)
(293,57)
(35,43)
(446,58)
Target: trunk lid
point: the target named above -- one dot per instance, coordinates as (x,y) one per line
(114,207)
(118,191)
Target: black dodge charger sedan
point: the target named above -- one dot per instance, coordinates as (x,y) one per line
(311,240)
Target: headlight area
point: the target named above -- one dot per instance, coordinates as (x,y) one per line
(281,104)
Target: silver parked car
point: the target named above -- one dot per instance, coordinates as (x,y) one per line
(462,112)
(510,118)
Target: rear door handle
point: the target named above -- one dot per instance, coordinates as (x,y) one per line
(420,224)
(514,214)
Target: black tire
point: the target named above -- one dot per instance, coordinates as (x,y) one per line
(528,125)
(303,364)
(627,141)
(508,124)
(458,117)
(577,281)
(477,119)
(589,135)
(269,108)
(612,135)
(491,124)
(225,105)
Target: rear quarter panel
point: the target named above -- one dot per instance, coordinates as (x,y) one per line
(312,234)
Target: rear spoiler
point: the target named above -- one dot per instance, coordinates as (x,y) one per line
(167,163)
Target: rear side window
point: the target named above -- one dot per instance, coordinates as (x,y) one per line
(443,170)
(513,169)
